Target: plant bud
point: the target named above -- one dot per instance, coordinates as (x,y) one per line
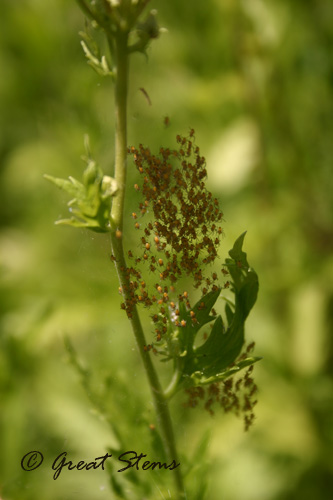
(90,174)
(109,186)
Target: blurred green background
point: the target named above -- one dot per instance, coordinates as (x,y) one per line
(254,78)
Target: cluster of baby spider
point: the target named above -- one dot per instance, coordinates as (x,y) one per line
(182,235)
(232,395)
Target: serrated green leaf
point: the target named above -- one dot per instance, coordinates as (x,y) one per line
(219,351)
(248,293)
(236,253)
(229,313)
(202,311)
(212,356)
(202,314)
(216,359)
(242,275)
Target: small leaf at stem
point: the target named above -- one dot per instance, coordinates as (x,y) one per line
(91,204)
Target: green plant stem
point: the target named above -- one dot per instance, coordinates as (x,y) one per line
(160,405)
(173,386)
(89,13)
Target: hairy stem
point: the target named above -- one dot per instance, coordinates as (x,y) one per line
(116,218)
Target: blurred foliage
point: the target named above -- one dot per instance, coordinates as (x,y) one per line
(254,78)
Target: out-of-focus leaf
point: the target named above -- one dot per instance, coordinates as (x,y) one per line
(116,485)
(157,445)
(202,448)
(71,186)
(91,204)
